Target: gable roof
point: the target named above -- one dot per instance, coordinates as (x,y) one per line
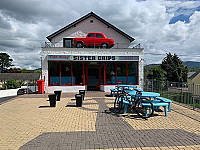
(85,17)
(194,75)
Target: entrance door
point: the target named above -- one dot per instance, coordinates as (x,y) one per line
(93,77)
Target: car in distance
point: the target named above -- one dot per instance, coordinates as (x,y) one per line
(93,39)
(24,91)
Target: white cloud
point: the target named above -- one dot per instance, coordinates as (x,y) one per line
(25,25)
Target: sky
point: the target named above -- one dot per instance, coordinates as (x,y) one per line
(160,26)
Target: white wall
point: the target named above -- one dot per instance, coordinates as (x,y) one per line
(97,26)
(6,93)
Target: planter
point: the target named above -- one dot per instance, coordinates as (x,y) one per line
(58,95)
(82,92)
(52,100)
(79,100)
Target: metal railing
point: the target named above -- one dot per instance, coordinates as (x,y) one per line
(185,93)
(29,84)
(61,45)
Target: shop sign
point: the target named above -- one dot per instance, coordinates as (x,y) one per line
(92,58)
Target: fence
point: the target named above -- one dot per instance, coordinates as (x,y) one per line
(188,94)
(30,84)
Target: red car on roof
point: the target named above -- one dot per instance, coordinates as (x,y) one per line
(94,39)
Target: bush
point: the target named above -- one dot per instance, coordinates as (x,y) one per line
(12,84)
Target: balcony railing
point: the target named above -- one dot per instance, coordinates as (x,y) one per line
(116,45)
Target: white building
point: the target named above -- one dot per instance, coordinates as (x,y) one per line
(70,69)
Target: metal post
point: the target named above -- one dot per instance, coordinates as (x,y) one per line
(167,89)
(199,103)
(188,92)
(35,84)
(182,94)
(27,88)
(193,101)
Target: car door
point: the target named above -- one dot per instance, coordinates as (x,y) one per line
(90,40)
(99,39)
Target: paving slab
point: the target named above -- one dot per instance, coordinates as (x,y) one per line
(28,123)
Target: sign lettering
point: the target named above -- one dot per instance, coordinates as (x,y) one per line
(91,58)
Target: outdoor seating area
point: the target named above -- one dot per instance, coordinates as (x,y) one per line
(30,123)
(142,102)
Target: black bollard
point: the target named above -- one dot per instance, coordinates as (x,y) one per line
(52,100)
(82,92)
(79,100)
(58,95)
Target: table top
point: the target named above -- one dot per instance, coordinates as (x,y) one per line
(132,86)
(144,94)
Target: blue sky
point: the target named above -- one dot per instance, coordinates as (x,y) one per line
(160,26)
(183,14)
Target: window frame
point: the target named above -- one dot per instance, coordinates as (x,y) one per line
(60,75)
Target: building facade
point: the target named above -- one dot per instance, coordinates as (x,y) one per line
(194,83)
(67,68)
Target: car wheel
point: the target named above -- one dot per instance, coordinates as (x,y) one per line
(79,45)
(104,45)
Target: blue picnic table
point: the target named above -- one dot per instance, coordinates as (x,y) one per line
(142,94)
(152,96)
(121,87)
(127,86)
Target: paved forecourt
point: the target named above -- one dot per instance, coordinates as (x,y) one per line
(27,122)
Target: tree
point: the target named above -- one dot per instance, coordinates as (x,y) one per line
(5,62)
(156,73)
(174,68)
(146,72)
(14,70)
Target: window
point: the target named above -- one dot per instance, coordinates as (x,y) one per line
(65,73)
(110,73)
(99,36)
(91,35)
(77,73)
(91,21)
(67,42)
(54,78)
(121,72)
(61,73)
(132,72)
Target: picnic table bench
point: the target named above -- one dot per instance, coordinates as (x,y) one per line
(157,102)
